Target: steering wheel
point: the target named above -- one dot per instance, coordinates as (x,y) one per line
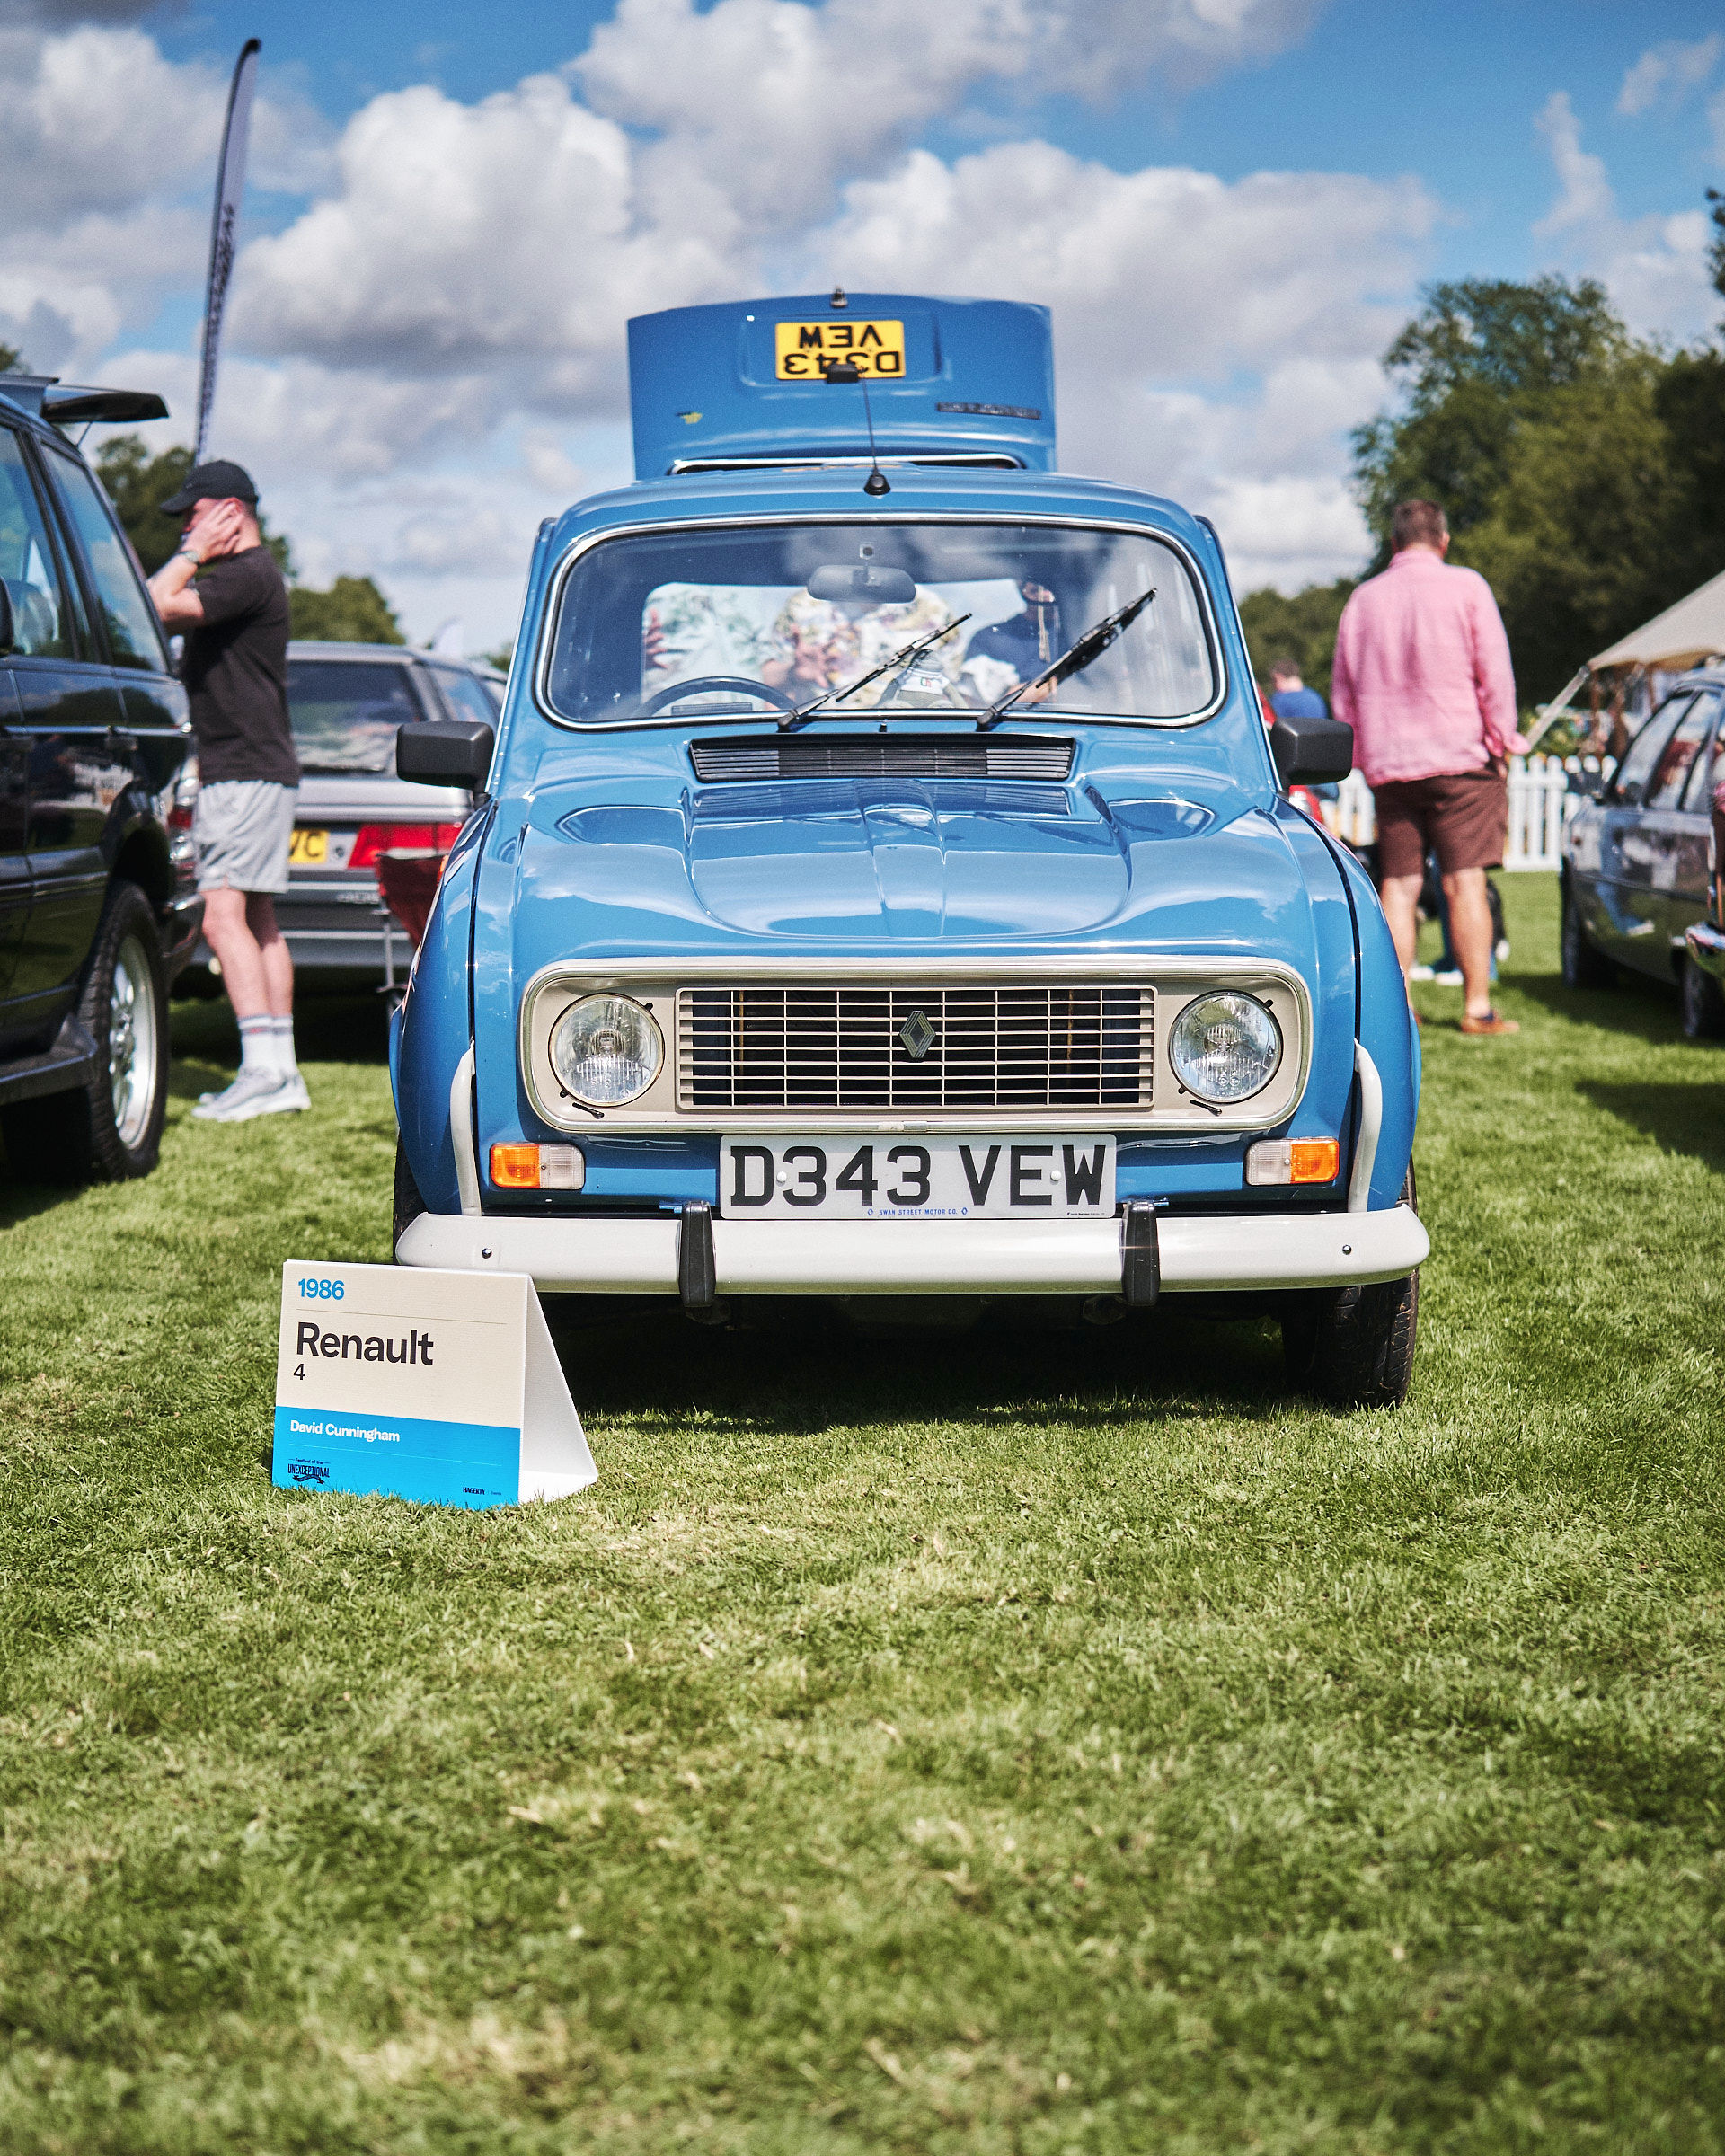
(705,683)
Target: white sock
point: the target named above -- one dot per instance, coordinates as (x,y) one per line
(257,1046)
(282,1037)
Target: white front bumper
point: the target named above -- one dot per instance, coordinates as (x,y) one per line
(1199,1252)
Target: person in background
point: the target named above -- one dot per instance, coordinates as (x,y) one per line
(1422,674)
(1289,698)
(224,590)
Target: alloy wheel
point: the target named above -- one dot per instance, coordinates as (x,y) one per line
(131,1042)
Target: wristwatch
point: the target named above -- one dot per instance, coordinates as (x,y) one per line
(196,560)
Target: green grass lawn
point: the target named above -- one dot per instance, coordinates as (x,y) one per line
(1018,1743)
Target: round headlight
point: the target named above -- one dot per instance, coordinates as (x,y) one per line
(605,1050)
(1224,1048)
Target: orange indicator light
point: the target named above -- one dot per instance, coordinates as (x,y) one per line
(1315,1160)
(515,1167)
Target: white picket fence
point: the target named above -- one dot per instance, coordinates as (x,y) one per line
(1540,806)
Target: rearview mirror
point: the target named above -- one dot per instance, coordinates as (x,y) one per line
(1311,751)
(861,583)
(446,752)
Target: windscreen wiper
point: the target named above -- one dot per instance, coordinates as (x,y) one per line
(903,659)
(1088,649)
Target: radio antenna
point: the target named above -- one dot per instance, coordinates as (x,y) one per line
(847,371)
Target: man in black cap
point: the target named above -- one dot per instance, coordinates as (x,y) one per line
(225,591)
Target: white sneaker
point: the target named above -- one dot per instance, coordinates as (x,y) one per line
(1415,973)
(1452,979)
(253,1093)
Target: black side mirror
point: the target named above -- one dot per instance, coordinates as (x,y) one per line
(446,752)
(1311,751)
(8,632)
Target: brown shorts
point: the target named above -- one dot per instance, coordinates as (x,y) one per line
(1463,817)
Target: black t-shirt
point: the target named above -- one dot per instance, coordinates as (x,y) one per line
(236,671)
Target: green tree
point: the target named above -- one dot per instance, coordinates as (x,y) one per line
(137,484)
(1582,471)
(1481,358)
(352,611)
(12,360)
(1301,628)
(1578,543)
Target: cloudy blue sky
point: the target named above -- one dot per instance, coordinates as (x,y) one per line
(1229,204)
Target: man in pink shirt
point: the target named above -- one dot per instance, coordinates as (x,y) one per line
(1422,674)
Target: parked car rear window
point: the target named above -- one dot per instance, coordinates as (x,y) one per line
(39,628)
(345,712)
(644,612)
(466,695)
(1681,751)
(1630,786)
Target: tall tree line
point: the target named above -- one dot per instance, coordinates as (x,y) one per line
(1582,470)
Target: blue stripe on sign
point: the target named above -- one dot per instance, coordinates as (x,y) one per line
(472,1463)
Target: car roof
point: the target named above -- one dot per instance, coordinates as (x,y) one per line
(945,491)
(307,647)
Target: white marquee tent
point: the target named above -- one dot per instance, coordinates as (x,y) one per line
(1682,636)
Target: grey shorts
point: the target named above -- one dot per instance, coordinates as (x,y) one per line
(242,828)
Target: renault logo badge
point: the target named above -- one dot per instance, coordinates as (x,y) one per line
(918,1036)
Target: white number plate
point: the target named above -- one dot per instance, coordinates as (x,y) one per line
(920,1178)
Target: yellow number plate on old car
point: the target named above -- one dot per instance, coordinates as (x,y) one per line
(808,349)
(308,849)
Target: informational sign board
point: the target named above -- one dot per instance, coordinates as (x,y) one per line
(442,1387)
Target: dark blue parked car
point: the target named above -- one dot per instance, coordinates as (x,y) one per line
(98,904)
(885,889)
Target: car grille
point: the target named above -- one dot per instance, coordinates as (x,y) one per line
(883,756)
(1021,1047)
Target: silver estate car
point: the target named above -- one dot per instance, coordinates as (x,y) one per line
(346,701)
(1636,866)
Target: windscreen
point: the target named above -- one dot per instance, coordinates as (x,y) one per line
(717,623)
(345,713)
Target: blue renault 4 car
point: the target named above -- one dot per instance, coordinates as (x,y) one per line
(883,884)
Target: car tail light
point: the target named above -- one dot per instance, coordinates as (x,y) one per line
(372,839)
(538,1167)
(1293,1160)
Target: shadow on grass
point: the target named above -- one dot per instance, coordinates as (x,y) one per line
(1638,1005)
(811,1371)
(327,1029)
(21,1200)
(1679,1119)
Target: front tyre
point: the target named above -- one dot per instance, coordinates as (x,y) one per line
(109,1129)
(1584,966)
(1354,1347)
(1703,1004)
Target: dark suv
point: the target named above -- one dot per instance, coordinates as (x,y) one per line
(98,905)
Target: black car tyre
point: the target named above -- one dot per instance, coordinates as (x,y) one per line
(1584,967)
(408,1205)
(1354,1347)
(1703,1004)
(110,1129)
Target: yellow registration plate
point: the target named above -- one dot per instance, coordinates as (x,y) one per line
(808,349)
(308,849)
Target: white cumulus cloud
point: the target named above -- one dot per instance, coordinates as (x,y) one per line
(1666,74)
